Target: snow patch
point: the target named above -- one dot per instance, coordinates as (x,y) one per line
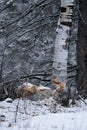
(40,115)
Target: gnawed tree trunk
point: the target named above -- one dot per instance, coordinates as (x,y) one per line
(65,62)
(63,39)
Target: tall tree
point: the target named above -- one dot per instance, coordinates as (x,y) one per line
(65,62)
(62,39)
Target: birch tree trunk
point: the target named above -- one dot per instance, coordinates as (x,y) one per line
(65,58)
(63,39)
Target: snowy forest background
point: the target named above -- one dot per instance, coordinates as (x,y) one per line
(39,40)
(28,30)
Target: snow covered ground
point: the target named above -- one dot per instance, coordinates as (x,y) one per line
(42,115)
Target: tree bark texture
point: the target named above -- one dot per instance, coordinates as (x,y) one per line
(65,53)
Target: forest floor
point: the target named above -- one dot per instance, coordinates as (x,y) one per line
(42,115)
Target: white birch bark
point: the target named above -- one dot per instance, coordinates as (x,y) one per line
(62,39)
